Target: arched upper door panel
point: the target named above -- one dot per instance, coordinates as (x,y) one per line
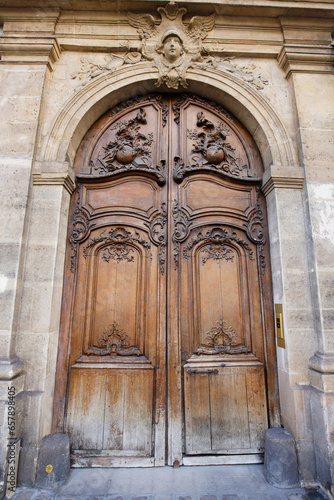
(133,137)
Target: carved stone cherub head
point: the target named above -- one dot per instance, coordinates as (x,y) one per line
(171,46)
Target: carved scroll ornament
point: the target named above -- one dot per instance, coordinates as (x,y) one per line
(158,234)
(120,242)
(217,237)
(81,227)
(181,229)
(113,342)
(221,339)
(255,231)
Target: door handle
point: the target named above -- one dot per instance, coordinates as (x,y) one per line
(214,371)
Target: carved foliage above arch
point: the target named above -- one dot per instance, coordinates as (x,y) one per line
(172,63)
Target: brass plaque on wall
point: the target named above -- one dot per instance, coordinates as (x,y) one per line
(279,325)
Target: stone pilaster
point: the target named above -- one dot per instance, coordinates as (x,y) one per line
(284,191)
(52,185)
(309,69)
(25,61)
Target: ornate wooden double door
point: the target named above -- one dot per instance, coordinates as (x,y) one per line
(167,343)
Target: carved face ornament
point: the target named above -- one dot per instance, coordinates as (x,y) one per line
(172,48)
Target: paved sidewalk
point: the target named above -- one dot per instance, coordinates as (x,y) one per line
(229,482)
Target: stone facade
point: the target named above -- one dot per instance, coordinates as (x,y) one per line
(64,63)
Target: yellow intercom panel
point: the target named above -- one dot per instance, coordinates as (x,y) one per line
(279,325)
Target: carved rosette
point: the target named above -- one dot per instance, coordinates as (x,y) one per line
(181,230)
(120,242)
(217,237)
(113,342)
(158,234)
(221,339)
(118,252)
(217,252)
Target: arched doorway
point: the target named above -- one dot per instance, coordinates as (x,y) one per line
(167,343)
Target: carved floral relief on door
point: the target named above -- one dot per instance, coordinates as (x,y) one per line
(167,315)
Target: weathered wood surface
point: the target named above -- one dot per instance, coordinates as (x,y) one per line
(115,410)
(225,409)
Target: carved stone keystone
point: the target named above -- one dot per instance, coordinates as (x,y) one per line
(172,46)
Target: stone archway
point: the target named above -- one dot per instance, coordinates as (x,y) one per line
(81,111)
(241,99)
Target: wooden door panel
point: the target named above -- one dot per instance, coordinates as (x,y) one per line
(130,139)
(197,411)
(85,416)
(219,267)
(100,198)
(117,282)
(129,410)
(111,409)
(257,407)
(229,411)
(203,192)
(219,247)
(219,313)
(113,432)
(114,274)
(117,328)
(115,347)
(199,119)
(111,302)
(222,416)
